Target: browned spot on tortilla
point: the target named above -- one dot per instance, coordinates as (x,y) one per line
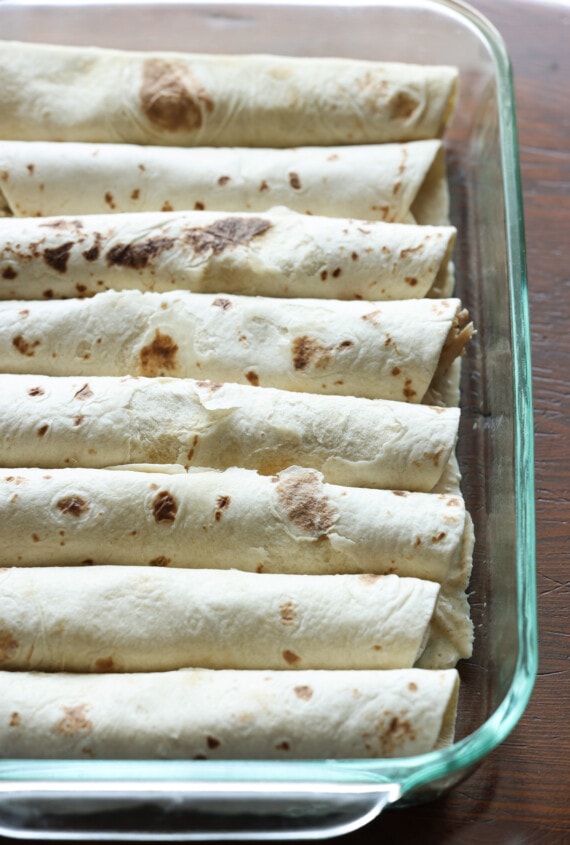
(80,290)
(411,281)
(92,254)
(399,492)
(48,294)
(135,194)
(307,351)
(294,181)
(199,757)
(222,502)
(74,720)
(226,233)
(396,371)
(8,644)
(283,746)
(287,613)
(222,302)
(412,686)
(78,419)
(15,720)
(304,692)
(104,664)
(36,391)
(9,273)
(213,386)
(368,577)
(252,378)
(193,447)
(42,430)
(396,187)
(212,742)
(199,206)
(88,561)
(72,505)
(418,541)
(164,507)
(160,561)
(223,180)
(403,105)
(84,392)
(171,97)
(336,272)
(411,249)
(456,503)
(31,168)
(166,206)
(35,538)
(24,347)
(263,186)
(290,657)
(159,356)
(139,254)
(439,537)
(324,275)
(345,344)
(302,498)
(408,391)
(109,199)
(435,456)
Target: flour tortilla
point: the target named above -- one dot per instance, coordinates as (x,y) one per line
(227,714)
(66,421)
(62,93)
(273,254)
(398,350)
(397,183)
(294,523)
(137,619)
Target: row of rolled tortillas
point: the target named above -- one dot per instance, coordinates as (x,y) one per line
(396,183)
(168,607)
(227,714)
(392,350)
(276,253)
(63,93)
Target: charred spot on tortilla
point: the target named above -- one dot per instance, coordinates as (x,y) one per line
(171,97)
(74,720)
(252,378)
(25,347)
(42,430)
(226,233)
(72,505)
(221,302)
(9,273)
(159,355)
(294,181)
(307,351)
(138,255)
(164,507)
(222,502)
(287,613)
(8,644)
(336,272)
(58,256)
(403,105)
(302,498)
(161,560)
(283,746)
(92,254)
(212,742)
(84,392)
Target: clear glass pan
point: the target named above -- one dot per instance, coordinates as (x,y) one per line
(248,800)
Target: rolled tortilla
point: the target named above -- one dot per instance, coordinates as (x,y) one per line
(397,351)
(227,714)
(135,619)
(60,93)
(274,254)
(66,421)
(397,183)
(294,523)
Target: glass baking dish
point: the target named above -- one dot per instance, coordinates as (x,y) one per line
(255,799)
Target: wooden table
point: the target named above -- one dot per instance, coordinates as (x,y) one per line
(522,793)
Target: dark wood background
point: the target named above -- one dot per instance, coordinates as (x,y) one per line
(521,794)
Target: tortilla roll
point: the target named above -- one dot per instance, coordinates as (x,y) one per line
(65,421)
(135,619)
(63,93)
(396,183)
(227,714)
(397,351)
(294,523)
(210,252)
